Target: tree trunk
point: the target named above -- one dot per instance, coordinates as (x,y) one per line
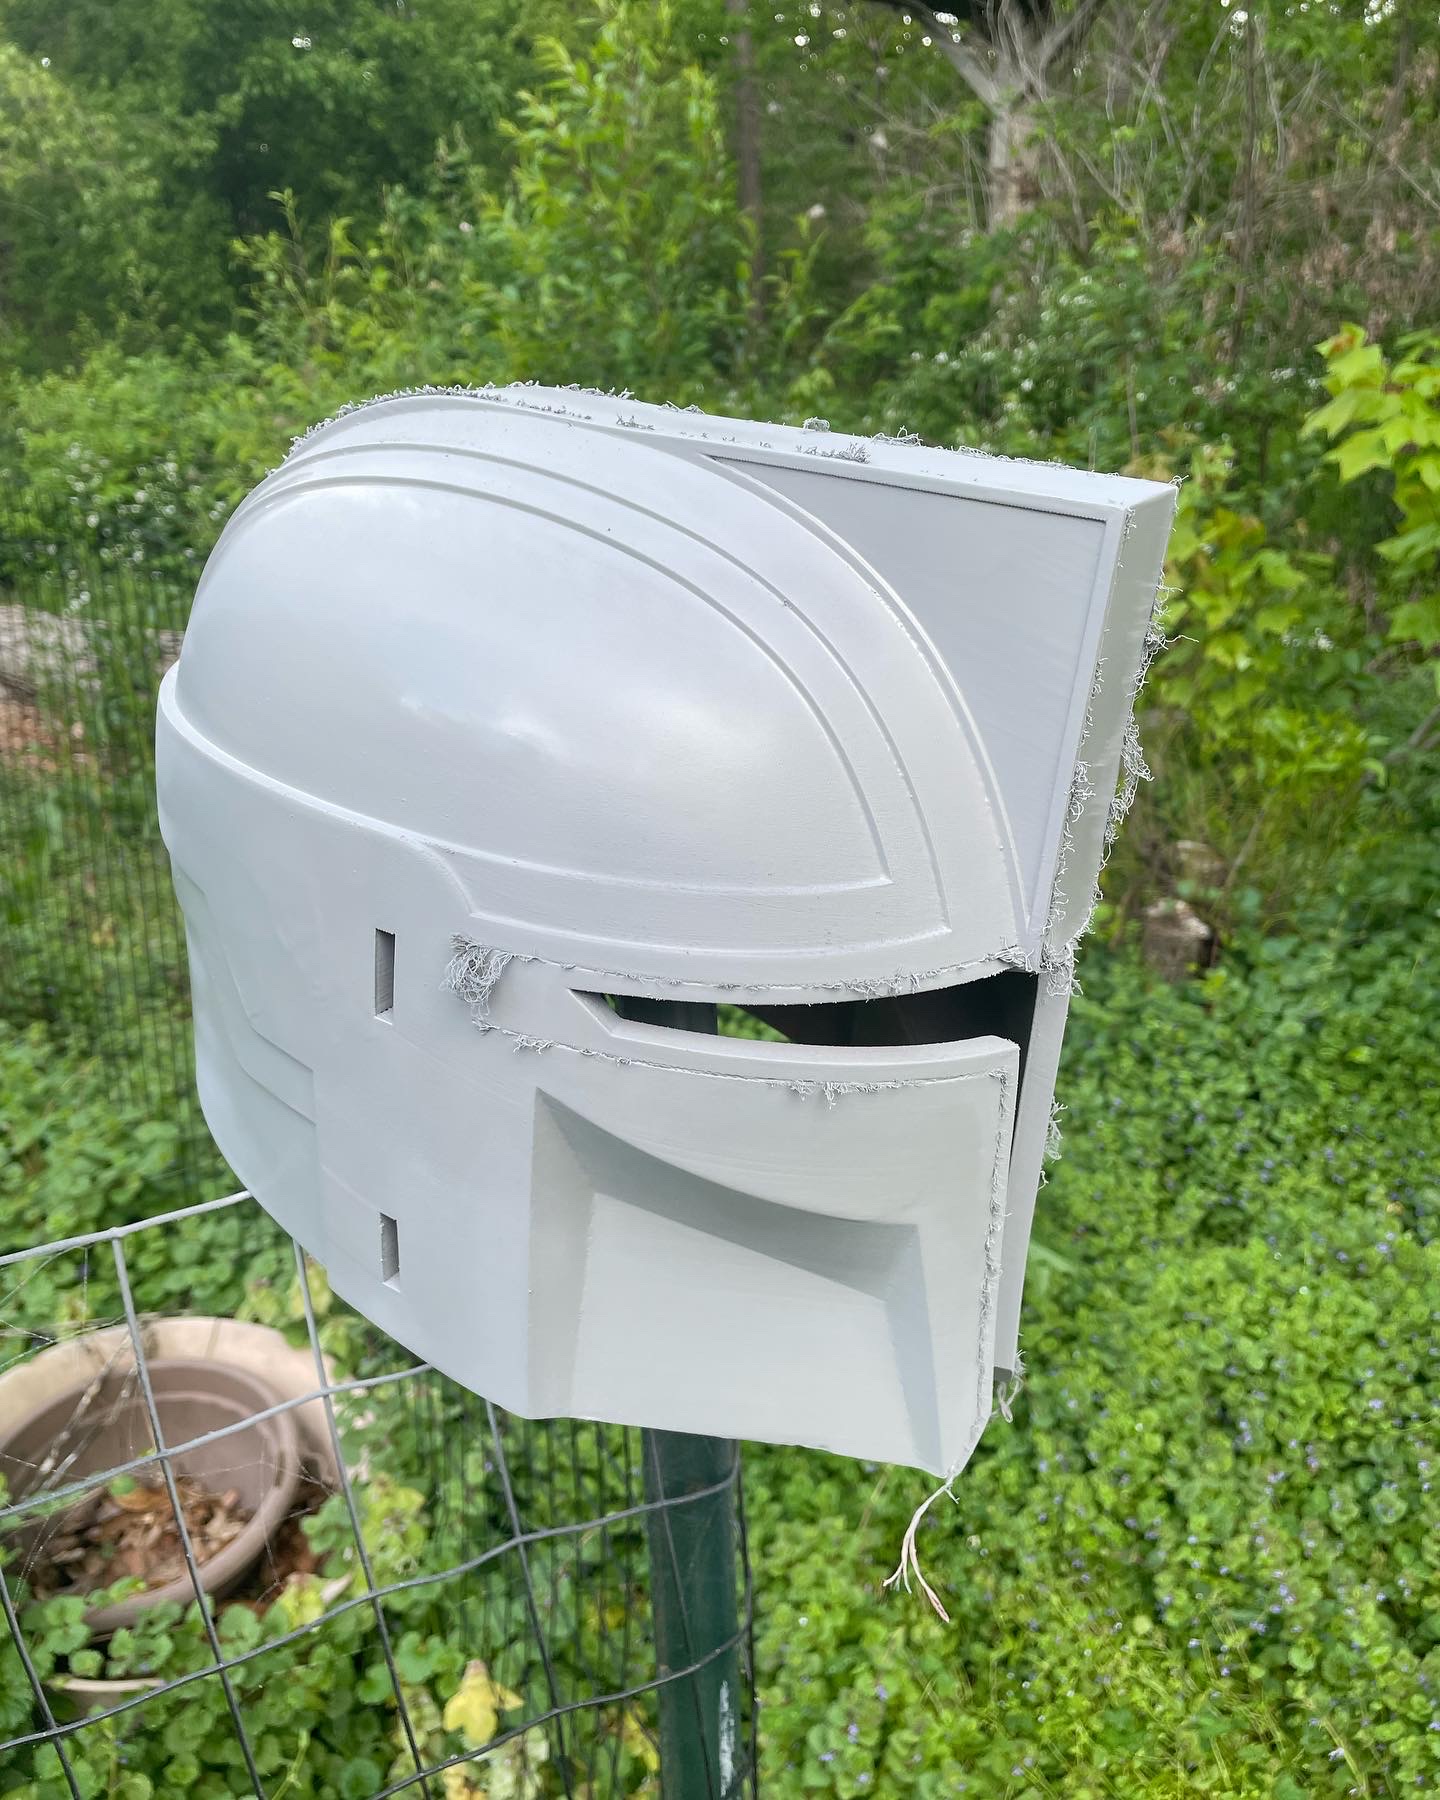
(1005,63)
(1011,159)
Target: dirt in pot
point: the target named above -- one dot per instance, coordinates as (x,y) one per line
(132,1532)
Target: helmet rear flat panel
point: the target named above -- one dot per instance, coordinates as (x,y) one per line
(492,705)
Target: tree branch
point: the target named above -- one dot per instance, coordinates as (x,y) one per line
(1075,24)
(1419,738)
(962,59)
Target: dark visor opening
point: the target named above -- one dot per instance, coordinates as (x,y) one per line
(1000,1005)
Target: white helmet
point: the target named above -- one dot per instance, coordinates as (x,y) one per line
(511,722)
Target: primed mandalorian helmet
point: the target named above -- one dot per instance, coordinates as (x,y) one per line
(516,730)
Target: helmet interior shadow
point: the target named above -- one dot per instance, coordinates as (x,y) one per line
(1000,1005)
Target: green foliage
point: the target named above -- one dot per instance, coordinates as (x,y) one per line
(86,242)
(1205,1558)
(130,453)
(1384,418)
(223,109)
(1010,344)
(316,1714)
(619,231)
(1292,678)
(74,1154)
(1268,655)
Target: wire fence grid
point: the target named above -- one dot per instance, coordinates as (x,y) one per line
(95,945)
(457,1601)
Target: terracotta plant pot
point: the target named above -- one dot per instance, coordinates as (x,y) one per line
(74,1696)
(287,1369)
(97,1424)
(262,1351)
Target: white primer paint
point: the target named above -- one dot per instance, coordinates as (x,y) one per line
(537,695)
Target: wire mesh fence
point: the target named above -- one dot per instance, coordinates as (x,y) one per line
(95,947)
(445,1599)
(488,1617)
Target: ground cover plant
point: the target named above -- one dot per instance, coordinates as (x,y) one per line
(1204,1559)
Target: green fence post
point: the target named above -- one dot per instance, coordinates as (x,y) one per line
(693,1565)
(693,1597)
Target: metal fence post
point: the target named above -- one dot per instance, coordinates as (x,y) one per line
(693,1564)
(693,1598)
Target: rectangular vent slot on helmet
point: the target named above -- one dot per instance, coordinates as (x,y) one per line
(389,1251)
(384,973)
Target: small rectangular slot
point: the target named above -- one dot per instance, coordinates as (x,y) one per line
(384,973)
(389,1251)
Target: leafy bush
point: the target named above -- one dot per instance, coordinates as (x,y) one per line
(650,269)
(1005,343)
(127,453)
(1268,658)
(92,243)
(1384,418)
